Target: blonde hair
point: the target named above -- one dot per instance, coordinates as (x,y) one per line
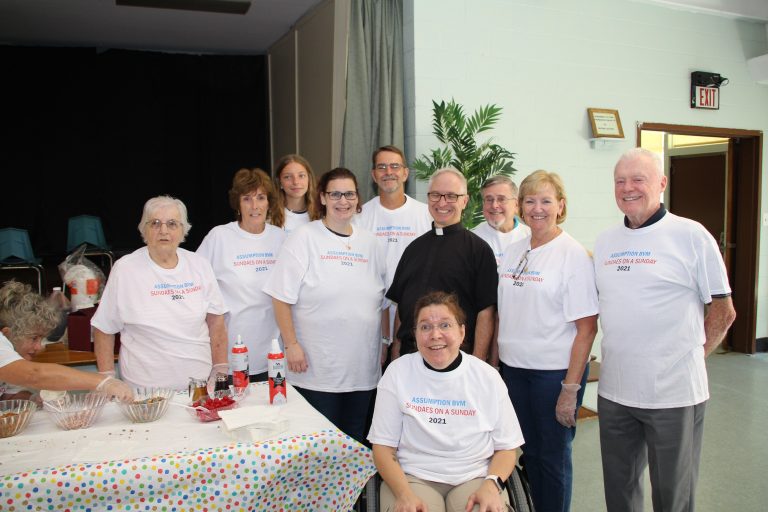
(535,181)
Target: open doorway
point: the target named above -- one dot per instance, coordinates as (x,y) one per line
(714,178)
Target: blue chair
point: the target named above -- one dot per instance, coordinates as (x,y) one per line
(86,229)
(16,254)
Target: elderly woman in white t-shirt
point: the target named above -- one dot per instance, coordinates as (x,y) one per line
(444,432)
(166,304)
(25,319)
(547,312)
(328,292)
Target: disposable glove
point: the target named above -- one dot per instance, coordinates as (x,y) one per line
(217,369)
(113,387)
(565,411)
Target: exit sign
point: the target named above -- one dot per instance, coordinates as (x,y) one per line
(705,97)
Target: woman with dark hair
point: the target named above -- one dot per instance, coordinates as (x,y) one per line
(444,432)
(328,292)
(296,197)
(242,254)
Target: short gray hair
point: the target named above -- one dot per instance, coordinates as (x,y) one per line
(500,179)
(636,153)
(450,170)
(26,312)
(154,204)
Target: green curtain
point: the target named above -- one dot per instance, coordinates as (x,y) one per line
(374,112)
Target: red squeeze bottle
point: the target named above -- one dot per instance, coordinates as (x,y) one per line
(276,372)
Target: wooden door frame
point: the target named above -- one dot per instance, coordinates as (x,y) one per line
(747,156)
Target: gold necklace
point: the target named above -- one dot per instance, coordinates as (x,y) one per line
(343,240)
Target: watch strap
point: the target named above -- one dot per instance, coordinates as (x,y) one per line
(497,481)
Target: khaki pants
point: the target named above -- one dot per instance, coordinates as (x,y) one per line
(438,497)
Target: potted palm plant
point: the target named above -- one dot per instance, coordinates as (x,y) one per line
(478,161)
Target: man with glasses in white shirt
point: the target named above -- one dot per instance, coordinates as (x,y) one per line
(393,216)
(447,258)
(501,226)
(500,207)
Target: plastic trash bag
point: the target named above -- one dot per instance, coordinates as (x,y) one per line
(84,279)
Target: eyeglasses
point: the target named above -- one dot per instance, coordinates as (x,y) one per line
(349,195)
(521,267)
(449,198)
(172,225)
(502,200)
(427,328)
(395,166)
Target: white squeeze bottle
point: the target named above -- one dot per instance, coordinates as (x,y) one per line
(276,372)
(240,376)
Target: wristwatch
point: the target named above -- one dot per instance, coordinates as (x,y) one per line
(496,480)
(386,340)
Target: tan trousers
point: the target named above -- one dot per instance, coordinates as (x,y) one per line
(438,497)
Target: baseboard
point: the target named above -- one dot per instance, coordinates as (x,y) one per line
(761,345)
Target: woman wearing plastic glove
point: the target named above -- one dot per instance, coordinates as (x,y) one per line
(242,254)
(547,323)
(25,319)
(166,304)
(444,432)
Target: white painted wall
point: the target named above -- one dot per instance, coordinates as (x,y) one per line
(546,61)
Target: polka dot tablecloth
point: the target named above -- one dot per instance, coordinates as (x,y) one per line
(313,472)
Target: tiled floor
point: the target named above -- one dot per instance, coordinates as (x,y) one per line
(734,466)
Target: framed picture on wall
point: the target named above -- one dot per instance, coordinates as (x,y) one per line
(605,123)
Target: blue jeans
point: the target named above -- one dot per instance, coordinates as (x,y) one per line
(348,411)
(547,448)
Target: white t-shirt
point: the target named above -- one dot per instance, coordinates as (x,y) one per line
(294,220)
(394,229)
(498,240)
(8,355)
(241,262)
(445,425)
(160,315)
(653,284)
(537,311)
(336,295)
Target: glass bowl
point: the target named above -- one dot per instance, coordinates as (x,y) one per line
(75,411)
(14,416)
(209,410)
(148,404)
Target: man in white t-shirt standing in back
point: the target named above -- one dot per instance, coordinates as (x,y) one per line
(393,216)
(665,305)
(500,207)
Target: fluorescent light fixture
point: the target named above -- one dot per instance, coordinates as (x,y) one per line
(223,6)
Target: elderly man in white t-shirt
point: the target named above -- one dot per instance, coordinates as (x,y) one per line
(500,208)
(501,227)
(393,216)
(665,305)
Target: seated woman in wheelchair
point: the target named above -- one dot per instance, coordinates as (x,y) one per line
(444,432)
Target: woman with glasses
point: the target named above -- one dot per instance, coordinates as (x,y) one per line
(296,197)
(166,304)
(328,293)
(444,432)
(242,254)
(547,323)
